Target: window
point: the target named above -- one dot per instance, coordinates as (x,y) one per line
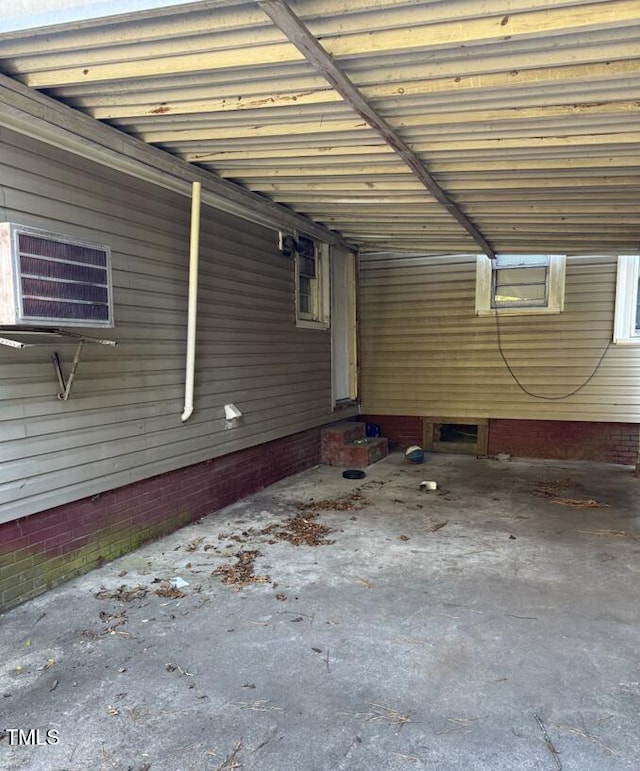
(312,283)
(519,284)
(626,328)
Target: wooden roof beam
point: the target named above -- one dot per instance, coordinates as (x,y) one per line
(298,34)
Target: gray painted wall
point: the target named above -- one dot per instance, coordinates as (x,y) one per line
(425,352)
(122,422)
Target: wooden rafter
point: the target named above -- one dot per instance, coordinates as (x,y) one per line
(298,34)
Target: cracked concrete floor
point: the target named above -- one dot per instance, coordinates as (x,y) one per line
(492,624)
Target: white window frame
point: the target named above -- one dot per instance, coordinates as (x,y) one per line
(555,293)
(321,316)
(624,325)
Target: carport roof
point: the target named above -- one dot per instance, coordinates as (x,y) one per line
(524,114)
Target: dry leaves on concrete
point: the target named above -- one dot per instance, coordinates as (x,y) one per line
(123,593)
(112,620)
(167,589)
(355,500)
(241,573)
(300,530)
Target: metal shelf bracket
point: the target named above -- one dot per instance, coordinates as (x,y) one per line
(65,383)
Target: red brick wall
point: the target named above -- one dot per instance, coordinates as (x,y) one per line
(565,440)
(401,430)
(42,550)
(553,439)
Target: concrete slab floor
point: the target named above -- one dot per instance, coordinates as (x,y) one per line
(481,626)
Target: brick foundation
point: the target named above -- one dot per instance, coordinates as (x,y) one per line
(553,439)
(45,549)
(401,430)
(565,440)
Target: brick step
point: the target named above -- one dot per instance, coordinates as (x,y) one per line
(359,453)
(333,438)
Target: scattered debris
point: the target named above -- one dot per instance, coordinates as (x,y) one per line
(193,545)
(230,762)
(403,538)
(582,732)
(580,503)
(241,573)
(299,530)
(383,714)
(553,487)
(122,573)
(428,485)
(248,685)
(111,710)
(280,596)
(459,724)
(173,667)
(615,533)
(167,589)
(112,620)
(54,685)
(354,500)
(262,705)
(178,582)
(438,526)
(504,456)
(554,752)
(512,537)
(123,593)
(364,582)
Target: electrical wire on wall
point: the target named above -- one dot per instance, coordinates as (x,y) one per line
(542,396)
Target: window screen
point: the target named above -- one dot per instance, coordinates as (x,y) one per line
(520,282)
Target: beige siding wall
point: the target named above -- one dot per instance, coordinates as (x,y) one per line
(122,422)
(424,352)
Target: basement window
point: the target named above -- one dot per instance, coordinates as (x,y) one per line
(520,284)
(464,435)
(626,328)
(312,283)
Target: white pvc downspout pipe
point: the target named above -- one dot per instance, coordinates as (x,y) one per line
(194,254)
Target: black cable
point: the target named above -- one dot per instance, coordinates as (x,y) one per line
(541,396)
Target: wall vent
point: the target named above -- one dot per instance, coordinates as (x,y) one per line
(47,278)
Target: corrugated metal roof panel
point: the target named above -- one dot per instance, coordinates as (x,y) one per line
(526,113)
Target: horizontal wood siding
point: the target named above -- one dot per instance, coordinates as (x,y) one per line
(122,422)
(425,352)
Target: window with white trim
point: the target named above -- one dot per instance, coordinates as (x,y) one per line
(626,327)
(312,283)
(514,284)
